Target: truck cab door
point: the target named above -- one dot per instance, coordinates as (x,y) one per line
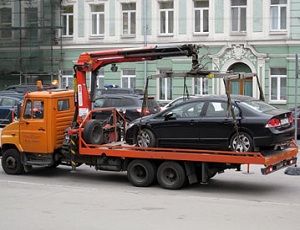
(33,136)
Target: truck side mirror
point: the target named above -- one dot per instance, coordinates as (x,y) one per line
(18,112)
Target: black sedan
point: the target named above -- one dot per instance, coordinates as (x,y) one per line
(209,123)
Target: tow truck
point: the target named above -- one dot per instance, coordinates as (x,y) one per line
(65,131)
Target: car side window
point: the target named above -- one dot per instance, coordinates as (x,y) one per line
(34,110)
(219,109)
(63,105)
(27,113)
(8,102)
(188,110)
(216,109)
(99,103)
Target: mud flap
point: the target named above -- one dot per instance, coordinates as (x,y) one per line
(191,172)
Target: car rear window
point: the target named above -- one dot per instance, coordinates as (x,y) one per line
(120,102)
(260,106)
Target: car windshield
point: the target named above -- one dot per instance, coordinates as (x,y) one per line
(257,105)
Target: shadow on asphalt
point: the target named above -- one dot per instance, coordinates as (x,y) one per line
(89,176)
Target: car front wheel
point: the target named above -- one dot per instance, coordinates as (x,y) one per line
(242,142)
(145,138)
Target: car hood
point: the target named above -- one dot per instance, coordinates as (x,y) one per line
(142,119)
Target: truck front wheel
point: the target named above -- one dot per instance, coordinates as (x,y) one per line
(141,173)
(171,175)
(11,162)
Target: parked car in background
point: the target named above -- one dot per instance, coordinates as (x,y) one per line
(117,90)
(206,123)
(26,88)
(130,105)
(9,107)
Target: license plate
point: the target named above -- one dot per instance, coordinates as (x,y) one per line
(284,121)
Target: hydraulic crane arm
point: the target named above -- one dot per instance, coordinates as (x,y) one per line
(92,61)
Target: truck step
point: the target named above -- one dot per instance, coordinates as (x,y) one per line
(39,163)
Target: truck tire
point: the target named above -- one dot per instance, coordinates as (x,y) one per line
(141,173)
(171,175)
(93,132)
(11,162)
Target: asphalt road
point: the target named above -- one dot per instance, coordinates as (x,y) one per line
(89,199)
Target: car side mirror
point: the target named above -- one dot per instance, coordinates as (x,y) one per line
(169,116)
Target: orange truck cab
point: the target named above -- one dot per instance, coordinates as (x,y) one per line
(40,128)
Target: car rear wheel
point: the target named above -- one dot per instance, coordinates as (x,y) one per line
(145,138)
(242,142)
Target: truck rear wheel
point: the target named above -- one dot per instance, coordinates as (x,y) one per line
(171,175)
(141,173)
(11,162)
(93,132)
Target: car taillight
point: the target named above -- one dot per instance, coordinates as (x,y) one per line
(291,119)
(274,122)
(146,111)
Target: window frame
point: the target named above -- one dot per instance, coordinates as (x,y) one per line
(6,25)
(164,87)
(169,14)
(100,15)
(67,32)
(201,20)
(202,84)
(31,25)
(131,20)
(279,94)
(130,79)
(239,19)
(67,79)
(279,7)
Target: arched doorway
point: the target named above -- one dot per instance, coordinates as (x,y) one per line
(241,86)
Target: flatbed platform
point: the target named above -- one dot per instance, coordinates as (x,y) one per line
(271,159)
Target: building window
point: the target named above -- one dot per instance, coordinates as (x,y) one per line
(67,21)
(31,20)
(166,12)
(5,23)
(165,86)
(67,81)
(278,81)
(278,15)
(238,15)
(97,12)
(128,78)
(129,18)
(201,11)
(200,86)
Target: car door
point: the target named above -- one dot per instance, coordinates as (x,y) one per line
(33,136)
(179,126)
(216,125)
